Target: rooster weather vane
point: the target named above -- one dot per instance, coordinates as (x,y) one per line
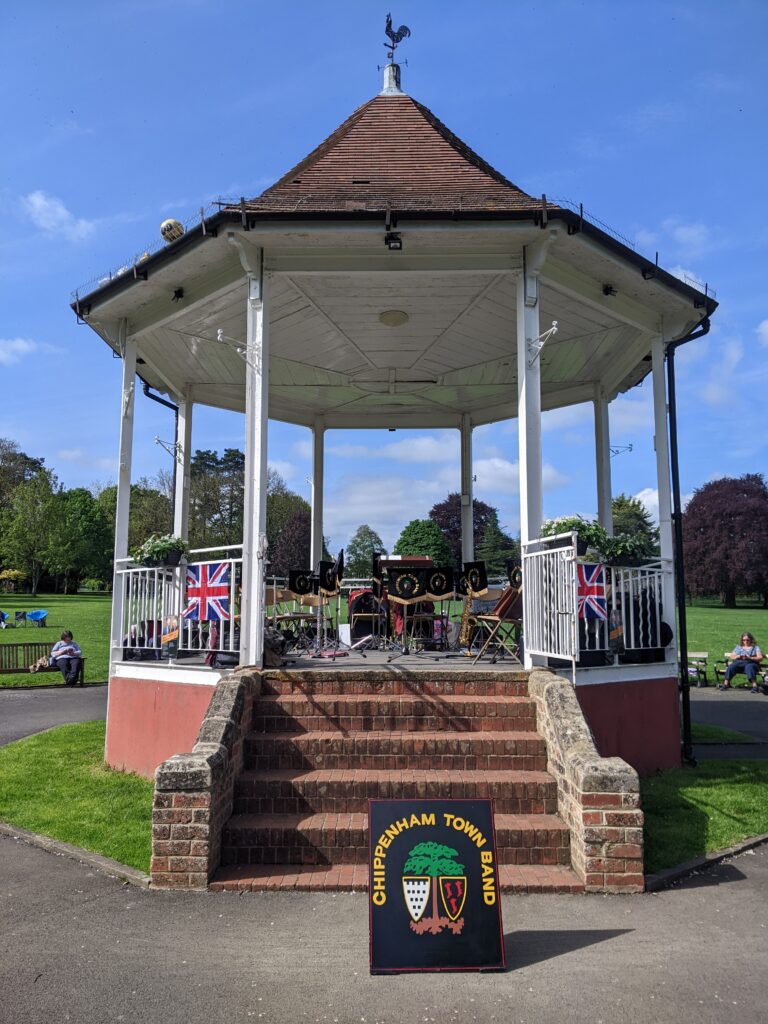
(395,36)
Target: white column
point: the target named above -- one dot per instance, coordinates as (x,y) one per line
(183,456)
(661,444)
(467,509)
(123,503)
(255,497)
(603,461)
(318,463)
(529,398)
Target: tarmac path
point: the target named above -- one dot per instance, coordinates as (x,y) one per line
(77,945)
(24,712)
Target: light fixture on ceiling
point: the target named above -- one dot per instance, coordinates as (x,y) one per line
(393,317)
(393,241)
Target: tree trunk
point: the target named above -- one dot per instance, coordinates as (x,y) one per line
(729,597)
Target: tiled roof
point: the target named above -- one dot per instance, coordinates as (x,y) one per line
(392,152)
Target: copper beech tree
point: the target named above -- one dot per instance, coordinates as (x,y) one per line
(725,538)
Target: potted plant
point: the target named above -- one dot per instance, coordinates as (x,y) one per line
(161,550)
(590,535)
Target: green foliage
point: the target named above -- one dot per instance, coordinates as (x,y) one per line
(359,554)
(151,512)
(156,548)
(16,467)
(11,579)
(216,497)
(80,537)
(433,859)
(292,548)
(496,547)
(689,812)
(424,537)
(633,527)
(588,530)
(56,783)
(447,515)
(26,526)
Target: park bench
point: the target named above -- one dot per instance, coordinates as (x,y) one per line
(720,667)
(698,662)
(16,658)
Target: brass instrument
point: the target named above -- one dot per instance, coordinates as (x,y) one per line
(466,626)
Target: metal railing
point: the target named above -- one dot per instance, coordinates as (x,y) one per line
(550,609)
(179,611)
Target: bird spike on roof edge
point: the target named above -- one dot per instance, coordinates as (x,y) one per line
(395,37)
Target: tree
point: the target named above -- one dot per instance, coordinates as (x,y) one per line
(359,553)
(80,541)
(447,515)
(26,526)
(725,538)
(292,547)
(282,506)
(424,537)
(434,860)
(632,521)
(150,512)
(16,468)
(496,548)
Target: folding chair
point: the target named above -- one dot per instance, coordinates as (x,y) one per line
(20,617)
(502,625)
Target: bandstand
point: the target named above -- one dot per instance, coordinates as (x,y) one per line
(393,279)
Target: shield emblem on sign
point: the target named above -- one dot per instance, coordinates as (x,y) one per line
(416,892)
(453,890)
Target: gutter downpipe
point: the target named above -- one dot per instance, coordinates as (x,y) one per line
(677,522)
(175,408)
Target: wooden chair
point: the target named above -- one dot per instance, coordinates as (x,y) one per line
(502,625)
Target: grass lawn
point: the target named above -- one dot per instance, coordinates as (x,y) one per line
(86,615)
(56,783)
(716,629)
(692,811)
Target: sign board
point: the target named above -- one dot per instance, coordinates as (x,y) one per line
(434,895)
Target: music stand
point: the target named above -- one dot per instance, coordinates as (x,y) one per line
(440,587)
(406,587)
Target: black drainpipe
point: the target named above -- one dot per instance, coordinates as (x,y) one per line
(677,524)
(168,405)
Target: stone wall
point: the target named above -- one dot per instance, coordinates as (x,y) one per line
(193,792)
(598,797)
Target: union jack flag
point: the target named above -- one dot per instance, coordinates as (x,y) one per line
(591,592)
(207,591)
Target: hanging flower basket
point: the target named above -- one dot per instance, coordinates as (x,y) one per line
(156,550)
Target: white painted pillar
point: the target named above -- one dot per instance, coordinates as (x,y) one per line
(183,477)
(603,461)
(529,395)
(255,497)
(467,508)
(127,346)
(661,444)
(318,465)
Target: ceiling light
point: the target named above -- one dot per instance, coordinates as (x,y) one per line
(394,317)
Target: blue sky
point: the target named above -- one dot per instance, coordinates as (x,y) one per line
(124,113)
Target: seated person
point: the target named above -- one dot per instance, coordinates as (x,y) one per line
(745,657)
(67,655)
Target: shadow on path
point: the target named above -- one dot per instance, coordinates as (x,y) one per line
(523,949)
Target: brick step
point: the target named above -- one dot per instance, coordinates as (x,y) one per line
(291,791)
(343,839)
(373,682)
(514,751)
(364,713)
(514,878)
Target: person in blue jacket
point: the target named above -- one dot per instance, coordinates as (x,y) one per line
(745,657)
(68,657)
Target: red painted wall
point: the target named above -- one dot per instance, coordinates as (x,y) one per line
(148,721)
(638,720)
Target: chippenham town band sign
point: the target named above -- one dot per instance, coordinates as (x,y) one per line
(434,886)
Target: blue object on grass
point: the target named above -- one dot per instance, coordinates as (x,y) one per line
(38,617)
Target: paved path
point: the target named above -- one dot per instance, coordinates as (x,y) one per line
(79,946)
(23,712)
(735,709)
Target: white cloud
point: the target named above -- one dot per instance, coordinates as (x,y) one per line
(762,333)
(568,416)
(693,240)
(283,467)
(13,350)
(302,449)
(82,458)
(718,390)
(629,415)
(410,450)
(50,214)
(649,496)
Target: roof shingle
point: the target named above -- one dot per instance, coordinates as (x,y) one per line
(392,153)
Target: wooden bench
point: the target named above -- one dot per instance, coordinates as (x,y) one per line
(720,667)
(698,662)
(16,659)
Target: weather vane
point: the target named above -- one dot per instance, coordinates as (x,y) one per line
(395,37)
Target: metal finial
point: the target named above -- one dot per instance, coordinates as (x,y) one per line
(394,36)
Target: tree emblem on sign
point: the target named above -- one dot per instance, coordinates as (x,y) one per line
(433,868)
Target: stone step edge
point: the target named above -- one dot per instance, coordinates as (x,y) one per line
(437,698)
(375,735)
(354,820)
(513,878)
(350,775)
